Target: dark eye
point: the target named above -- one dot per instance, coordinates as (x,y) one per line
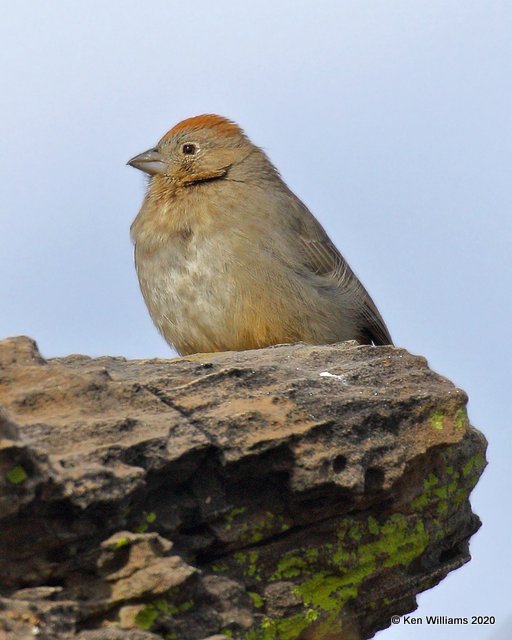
(189,149)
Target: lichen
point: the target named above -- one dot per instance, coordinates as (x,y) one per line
(281,628)
(373,525)
(17,474)
(448,491)
(420,502)
(474,464)
(396,541)
(181,608)
(148,518)
(290,566)
(120,543)
(328,592)
(328,576)
(442,508)
(262,526)
(461,418)
(146,617)
(163,606)
(256,599)
(249,563)
(362,546)
(236,511)
(430,481)
(436,420)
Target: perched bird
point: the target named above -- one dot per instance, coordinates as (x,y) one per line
(228,258)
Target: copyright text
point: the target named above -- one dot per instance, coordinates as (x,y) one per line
(438,620)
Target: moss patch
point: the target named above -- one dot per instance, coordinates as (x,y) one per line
(149,518)
(256,599)
(248,561)
(436,420)
(236,511)
(120,543)
(281,628)
(147,617)
(17,475)
(461,418)
(474,465)
(253,531)
(449,491)
(361,548)
(328,576)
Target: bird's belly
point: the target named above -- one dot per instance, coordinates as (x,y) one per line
(189,295)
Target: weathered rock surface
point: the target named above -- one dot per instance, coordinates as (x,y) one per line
(292,492)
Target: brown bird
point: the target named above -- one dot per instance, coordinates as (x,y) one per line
(228,258)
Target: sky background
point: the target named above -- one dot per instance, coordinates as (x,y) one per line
(391,120)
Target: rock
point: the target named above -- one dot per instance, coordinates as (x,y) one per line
(292,492)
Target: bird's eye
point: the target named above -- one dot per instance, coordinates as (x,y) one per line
(189,149)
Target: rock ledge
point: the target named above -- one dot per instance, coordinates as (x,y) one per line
(291,492)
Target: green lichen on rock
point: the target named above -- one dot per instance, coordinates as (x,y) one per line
(436,420)
(291,565)
(268,524)
(161,608)
(461,418)
(282,628)
(328,576)
(146,617)
(248,561)
(148,519)
(362,546)
(455,420)
(256,599)
(451,488)
(255,529)
(120,543)
(17,474)
(231,515)
(474,466)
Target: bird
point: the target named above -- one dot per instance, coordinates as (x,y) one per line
(227,256)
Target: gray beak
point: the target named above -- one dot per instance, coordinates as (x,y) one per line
(150,161)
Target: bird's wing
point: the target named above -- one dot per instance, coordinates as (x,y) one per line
(322,258)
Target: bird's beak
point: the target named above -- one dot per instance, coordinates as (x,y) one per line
(151,161)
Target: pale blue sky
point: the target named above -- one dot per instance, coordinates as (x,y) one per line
(391,120)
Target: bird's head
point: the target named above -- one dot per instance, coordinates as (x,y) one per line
(201,148)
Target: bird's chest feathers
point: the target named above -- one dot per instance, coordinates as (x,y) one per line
(185,278)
